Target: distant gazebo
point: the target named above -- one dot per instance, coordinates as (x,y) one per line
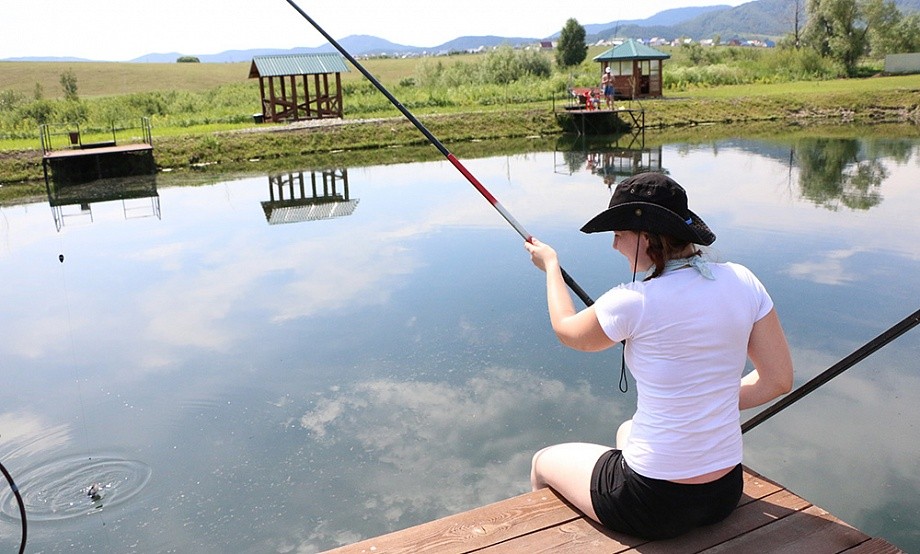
(636,69)
(278,83)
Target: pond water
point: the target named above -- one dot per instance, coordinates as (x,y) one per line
(226,368)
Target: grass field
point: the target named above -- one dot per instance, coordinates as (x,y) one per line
(116,78)
(195,108)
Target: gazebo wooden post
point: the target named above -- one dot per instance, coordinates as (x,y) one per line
(637,78)
(338,94)
(306,95)
(284,101)
(262,94)
(294,97)
(271,92)
(321,95)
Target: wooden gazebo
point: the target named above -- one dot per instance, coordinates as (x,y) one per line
(636,69)
(278,83)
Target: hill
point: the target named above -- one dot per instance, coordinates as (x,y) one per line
(666,18)
(757,19)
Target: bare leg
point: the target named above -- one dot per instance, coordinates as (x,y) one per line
(567,468)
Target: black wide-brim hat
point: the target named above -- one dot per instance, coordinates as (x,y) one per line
(655,203)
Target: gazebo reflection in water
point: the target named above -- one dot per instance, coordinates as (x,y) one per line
(308,196)
(612,158)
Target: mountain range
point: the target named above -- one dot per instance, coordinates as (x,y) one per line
(760,19)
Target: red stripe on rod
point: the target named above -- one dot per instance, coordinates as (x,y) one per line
(488,196)
(472,179)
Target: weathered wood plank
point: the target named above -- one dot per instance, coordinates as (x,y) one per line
(745,519)
(812,530)
(769,519)
(762,503)
(580,536)
(475,529)
(875,546)
(119,149)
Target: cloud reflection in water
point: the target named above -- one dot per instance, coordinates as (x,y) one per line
(456,437)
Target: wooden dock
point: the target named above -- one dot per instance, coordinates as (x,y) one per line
(769,519)
(582,114)
(79,161)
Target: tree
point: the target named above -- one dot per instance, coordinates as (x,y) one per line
(69,84)
(908,33)
(834,29)
(571,49)
(188,59)
(889,31)
(797,7)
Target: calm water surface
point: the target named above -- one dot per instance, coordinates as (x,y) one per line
(233,383)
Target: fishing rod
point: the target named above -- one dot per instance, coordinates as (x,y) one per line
(857,356)
(437,144)
(22,506)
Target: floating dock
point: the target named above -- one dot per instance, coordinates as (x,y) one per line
(769,519)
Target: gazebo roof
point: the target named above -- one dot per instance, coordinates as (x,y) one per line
(280,65)
(631,50)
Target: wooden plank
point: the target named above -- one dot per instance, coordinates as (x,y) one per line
(745,519)
(769,518)
(475,529)
(581,536)
(875,546)
(124,148)
(762,503)
(812,530)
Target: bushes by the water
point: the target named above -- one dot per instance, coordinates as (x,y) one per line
(499,77)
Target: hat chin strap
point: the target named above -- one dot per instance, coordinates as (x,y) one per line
(624,382)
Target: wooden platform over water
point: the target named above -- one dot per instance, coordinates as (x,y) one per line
(87,157)
(769,519)
(98,150)
(600,121)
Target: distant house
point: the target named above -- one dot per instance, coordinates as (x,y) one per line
(546,44)
(636,69)
(279,76)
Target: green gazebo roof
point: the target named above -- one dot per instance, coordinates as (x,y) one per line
(281,65)
(631,50)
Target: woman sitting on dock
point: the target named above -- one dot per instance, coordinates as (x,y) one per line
(688,328)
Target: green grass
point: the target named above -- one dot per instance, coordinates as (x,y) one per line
(194,109)
(868,87)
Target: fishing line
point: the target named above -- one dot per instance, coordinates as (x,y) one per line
(437,144)
(624,382)
(857,356)
(73,365)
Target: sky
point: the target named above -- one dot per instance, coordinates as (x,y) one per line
(121,30)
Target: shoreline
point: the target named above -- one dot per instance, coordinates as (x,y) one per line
(376,140)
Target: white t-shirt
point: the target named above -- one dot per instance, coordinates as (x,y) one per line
(686,346)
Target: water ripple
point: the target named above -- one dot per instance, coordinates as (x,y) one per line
(71,487)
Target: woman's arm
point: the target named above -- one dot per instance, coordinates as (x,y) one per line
(577,330)
(772,376)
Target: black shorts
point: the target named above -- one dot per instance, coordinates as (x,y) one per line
(656,509)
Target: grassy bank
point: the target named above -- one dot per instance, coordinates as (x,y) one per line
(379,134)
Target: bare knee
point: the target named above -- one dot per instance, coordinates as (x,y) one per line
(537,481)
